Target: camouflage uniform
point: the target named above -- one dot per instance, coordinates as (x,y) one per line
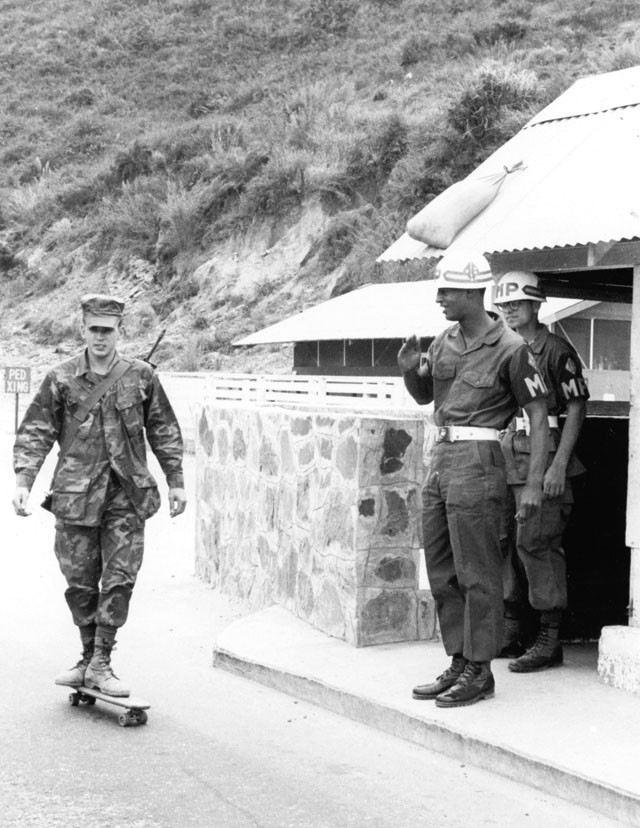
(103,491)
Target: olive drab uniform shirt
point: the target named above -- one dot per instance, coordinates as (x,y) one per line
(483,385)
(561,369)
(110,441)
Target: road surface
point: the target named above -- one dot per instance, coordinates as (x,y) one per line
(218,750)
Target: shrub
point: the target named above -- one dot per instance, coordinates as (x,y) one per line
(130,222)
(32,208)
(182,217)
(132,163)
(180,145)
(626,55)
(340,237)
(278,189)
(483,97)
(371,161)
(415,181)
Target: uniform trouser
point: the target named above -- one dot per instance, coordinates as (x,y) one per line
(462,503)
(534,559)
(101,563)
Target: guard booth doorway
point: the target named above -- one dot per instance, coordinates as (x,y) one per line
(598,561)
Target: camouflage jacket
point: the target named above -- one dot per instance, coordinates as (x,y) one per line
(110,441)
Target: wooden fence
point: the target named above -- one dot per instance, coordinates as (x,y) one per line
(188,390)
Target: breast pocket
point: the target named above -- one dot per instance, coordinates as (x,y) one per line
(444,371)
(481,379)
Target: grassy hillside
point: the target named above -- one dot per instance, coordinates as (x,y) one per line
(222,164)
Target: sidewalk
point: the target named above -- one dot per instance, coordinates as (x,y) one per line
(560,730)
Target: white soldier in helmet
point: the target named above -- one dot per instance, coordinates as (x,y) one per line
(477,373)
(534,558)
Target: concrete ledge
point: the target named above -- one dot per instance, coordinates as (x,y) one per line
(619,658)
(560,731)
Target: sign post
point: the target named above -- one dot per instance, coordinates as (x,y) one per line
(17,381)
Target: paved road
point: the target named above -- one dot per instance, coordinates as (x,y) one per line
(219,750)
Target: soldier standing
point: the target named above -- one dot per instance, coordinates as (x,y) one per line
(99,406)
(477,373)
(535,561)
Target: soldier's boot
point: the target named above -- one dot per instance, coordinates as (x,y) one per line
(512,646)
(74,676)
(443,682)
(546,651)
(475,683)
(100,674)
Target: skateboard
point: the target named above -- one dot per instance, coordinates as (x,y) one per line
(134,708)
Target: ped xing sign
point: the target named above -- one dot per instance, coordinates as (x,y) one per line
(17,380)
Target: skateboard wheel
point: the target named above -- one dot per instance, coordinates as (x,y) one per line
(124,719)
(142,717)
(74,699)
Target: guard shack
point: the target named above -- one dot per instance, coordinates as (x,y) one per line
(571,214)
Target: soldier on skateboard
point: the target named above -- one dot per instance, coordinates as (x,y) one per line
(100,406)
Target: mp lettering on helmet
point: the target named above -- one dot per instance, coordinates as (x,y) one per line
(536,386)
(505,289)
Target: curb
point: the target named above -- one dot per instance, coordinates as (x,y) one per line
(496,758)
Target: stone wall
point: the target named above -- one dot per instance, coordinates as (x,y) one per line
(317,512)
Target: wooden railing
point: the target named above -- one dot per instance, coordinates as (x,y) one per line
(301,389)
(188,390)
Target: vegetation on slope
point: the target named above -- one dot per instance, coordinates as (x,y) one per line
(143,143)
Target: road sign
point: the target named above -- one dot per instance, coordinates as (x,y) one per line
(17,380)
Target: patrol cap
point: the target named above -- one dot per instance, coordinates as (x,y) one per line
(517,285)
(101,310)
(463,270)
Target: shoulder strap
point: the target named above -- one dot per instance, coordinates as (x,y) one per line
(85,407)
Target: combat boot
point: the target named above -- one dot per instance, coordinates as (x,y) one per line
(443,682)
(546,651)
(74,676)
(475,683)
(100,675)
(512,646)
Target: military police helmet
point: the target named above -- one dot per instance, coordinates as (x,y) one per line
(463,270)
(518,285)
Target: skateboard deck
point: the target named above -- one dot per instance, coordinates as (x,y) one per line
(134,709)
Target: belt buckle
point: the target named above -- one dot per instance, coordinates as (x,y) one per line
(445,434)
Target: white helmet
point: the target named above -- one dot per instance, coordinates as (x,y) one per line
(517,285)
(463,270)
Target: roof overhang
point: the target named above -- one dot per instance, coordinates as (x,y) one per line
(574,202)
(383,311)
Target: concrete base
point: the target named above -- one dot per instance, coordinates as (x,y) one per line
(619,658)
(560,730)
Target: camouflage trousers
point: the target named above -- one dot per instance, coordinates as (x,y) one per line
(101,563)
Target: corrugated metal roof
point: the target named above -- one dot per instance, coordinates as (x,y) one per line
(580,181)
(383,311)
(596,93)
